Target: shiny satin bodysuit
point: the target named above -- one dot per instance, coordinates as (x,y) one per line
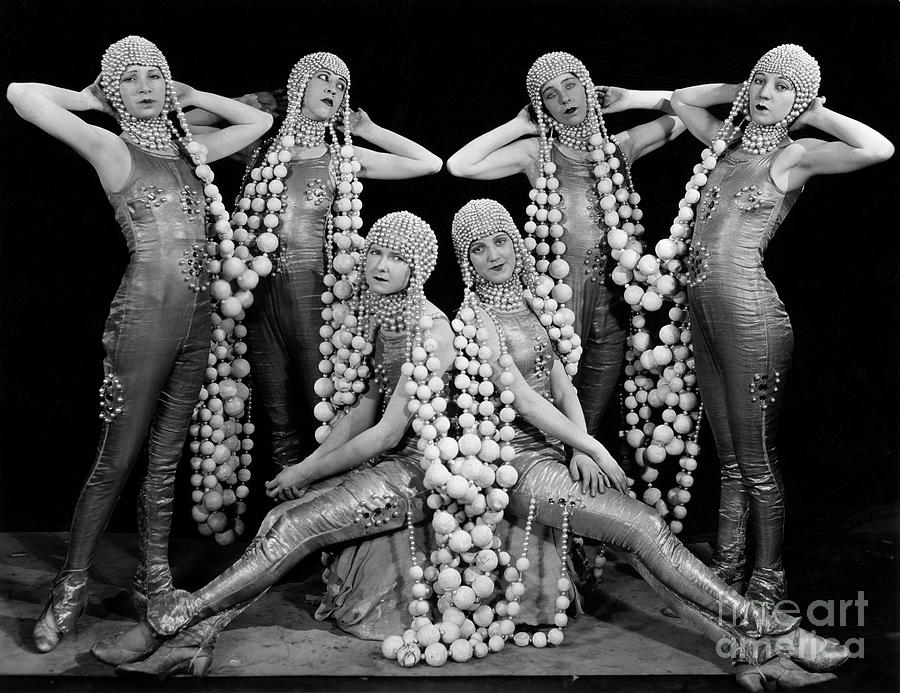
(333,511)
(156,341)
(742,346)
(283,324)
(596,321)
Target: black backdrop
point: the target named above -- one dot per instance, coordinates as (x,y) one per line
(441,73)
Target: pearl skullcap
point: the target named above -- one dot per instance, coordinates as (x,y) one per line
(478,219)
(308,64)
(550,66)
(795,64)
(131,50)
(409,235)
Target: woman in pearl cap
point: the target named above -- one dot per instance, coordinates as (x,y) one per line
(566,143)
(365,479)
(157,334)
(750,179)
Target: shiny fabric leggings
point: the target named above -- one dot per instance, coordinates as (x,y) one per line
(603,357)
(742,352)
(622,521)
(341,512)
(156,349)
(283,336)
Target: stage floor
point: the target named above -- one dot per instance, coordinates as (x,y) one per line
(625,641)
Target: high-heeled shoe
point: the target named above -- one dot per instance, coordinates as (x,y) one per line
(177,656)
(778,672)
(67,601)
(128,646)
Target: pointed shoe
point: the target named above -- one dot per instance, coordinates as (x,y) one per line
(778,673)
(128,646)
(171,659)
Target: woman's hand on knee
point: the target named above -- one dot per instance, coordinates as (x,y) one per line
(583,468)
(288,484)
(615,477)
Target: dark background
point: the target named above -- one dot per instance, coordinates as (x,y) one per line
(442,73)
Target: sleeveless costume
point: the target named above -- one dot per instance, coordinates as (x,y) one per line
(283,324)
(156,341)
(742,348)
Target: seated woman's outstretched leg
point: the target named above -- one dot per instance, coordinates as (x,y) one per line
(635,527)
(331,518)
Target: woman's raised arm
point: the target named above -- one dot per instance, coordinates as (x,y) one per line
(52,110)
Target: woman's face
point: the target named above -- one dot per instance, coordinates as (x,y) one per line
(143,91)
(771,98)
(324,95)
(387,271)
(565,99)
(493,257)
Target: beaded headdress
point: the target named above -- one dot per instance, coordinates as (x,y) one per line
(249,250)
(155,132)
(550,66)
(794,64)
(307,131)
(481,218)
(616,200)
(350,333)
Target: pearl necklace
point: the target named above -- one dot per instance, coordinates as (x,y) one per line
(762,139)
(505,297)
(153,133)
(310,133)
(578,136)
(385,312)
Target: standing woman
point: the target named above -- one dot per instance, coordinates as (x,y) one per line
(157,334)
(309,197)
(582,189)
(742,334)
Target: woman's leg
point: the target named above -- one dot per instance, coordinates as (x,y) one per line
(755,368)
(268,354)
(602,360)
(625,522)
(734,500)
(337,515)
(166,443)
(138,359)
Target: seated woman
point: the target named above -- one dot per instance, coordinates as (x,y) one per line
(394,339)
(508,358)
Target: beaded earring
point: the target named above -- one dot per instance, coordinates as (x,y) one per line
(662,377)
